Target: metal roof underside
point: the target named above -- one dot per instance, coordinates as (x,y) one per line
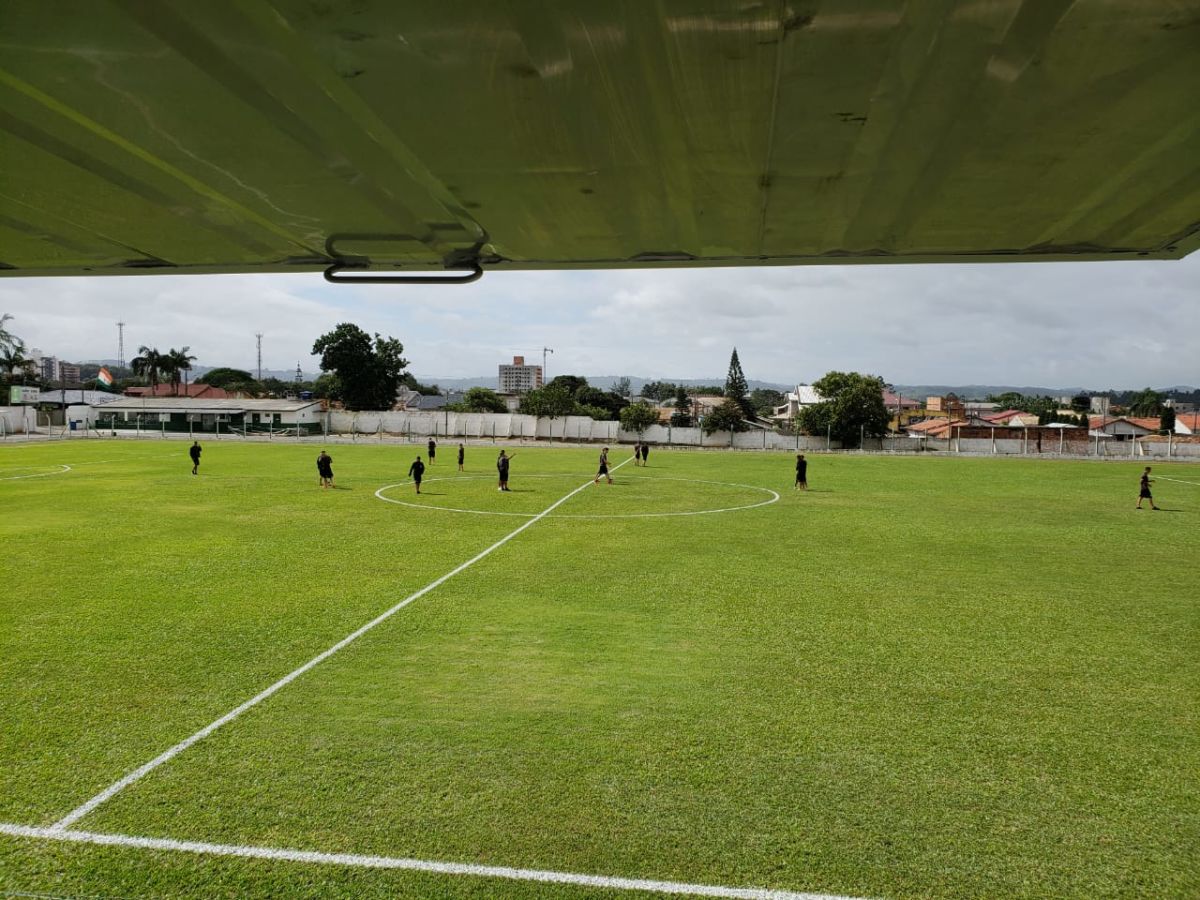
(265,135)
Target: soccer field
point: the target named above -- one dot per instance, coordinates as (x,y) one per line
(921,678)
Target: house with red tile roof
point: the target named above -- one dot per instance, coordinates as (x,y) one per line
(195,390)
(1187,423)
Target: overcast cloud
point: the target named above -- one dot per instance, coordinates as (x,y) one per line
(1098,325)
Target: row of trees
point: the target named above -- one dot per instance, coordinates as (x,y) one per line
(155,366)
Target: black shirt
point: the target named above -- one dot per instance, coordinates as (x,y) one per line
(417,469)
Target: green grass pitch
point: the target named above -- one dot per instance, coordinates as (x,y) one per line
(922,678)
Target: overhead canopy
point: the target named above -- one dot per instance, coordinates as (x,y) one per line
(273,135)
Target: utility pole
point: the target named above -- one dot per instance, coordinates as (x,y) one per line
(258,335)
(120,346)
(545,350)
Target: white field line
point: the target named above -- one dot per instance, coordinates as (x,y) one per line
(650,515)
(418,865)
(140,772)
(39,474)
(1176,480)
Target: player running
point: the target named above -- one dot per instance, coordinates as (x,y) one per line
(194,453)
(603,467)
(1144,492)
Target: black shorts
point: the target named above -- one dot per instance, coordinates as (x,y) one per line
(603,470)
(1145,494)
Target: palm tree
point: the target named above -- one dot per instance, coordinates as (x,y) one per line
(150,364)
(174,363)
(6,337)
(12,358)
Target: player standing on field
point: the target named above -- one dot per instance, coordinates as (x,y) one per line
(801,472)
(502,468)
(637,453)
(462,454)
(415,471)
(645,454)
(194,453)
(432,448)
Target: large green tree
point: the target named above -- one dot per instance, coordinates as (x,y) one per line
(551,401)
(729,416)
(852,408)
(608,403)
(480,400)
(225,377)
(736,388)
(368,372)
(569,383)
(658,390)
(638,417)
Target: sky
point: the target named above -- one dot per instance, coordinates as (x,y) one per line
(1096,325)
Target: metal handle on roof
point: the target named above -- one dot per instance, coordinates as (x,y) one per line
(457,260)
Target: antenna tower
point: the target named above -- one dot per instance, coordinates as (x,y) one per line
(258,335)
(120,345)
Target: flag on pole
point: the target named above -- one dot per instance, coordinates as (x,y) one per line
(104,377)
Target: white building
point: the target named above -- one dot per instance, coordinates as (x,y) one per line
(519,378)
(804,395)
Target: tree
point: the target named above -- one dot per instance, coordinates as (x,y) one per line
(638,417)
(1081,403)
(327,386)
(682,417)
(658,390)
(570,383)
(224,376)
(175,363)
(764,401)
(410,381)
(369,373)
(1166,422)
(13,359)
(729,416)
(853,408)
(481,400)
(7,338)
(551,401)
(148,364)
(609,403)
(736,388)
(1146,402)
(622,388)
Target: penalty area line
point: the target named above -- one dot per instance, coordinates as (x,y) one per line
(355,860)
(167,755)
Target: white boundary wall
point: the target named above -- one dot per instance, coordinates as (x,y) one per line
(575,429)
(17,420)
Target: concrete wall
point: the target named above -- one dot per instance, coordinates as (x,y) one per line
(573,429)
(17,419)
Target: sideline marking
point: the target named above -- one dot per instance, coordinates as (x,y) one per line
(419,865)
(651,515)
(62,467)
(140,772)
(1177,481)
